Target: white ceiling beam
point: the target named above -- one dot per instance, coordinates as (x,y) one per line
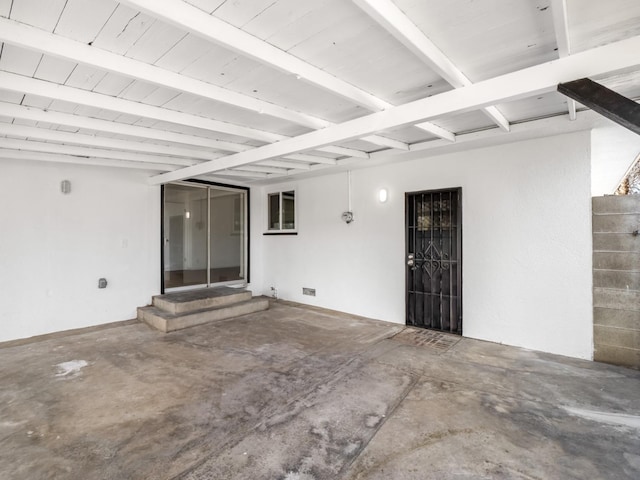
(11,154)
(386,142)
(561,27)
(437,131)
(392,19)
(261,169)
(32,86)
(467,141)
(285,164)
(45,147)
(38,40)
(104,142)
(520,131)
(536,80)
(302,157)
(32,38)
(195,21)
(348,152)
(81,122)
(240,173)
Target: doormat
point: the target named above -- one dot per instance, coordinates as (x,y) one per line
(420,337)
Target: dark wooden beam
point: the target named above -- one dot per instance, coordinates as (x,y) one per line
(606,102)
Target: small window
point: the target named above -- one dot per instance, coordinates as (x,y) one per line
(282,211)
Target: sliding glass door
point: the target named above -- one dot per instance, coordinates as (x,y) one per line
(205,235)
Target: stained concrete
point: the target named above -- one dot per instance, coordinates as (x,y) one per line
(304,394)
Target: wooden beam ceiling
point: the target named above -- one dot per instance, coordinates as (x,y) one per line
(38,40)
(81,151)
(286,164)
(81,122)
(17,154)
(530,81)
(27,85)
(181,154)
(561,27)
(44,134)
(195,21)
(606,102)
(33,86)
(389,16)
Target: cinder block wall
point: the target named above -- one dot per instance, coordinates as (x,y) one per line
(616,280)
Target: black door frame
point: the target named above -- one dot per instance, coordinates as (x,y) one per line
(407,196)
(210,184)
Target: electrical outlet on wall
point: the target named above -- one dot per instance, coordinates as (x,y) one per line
(309,291)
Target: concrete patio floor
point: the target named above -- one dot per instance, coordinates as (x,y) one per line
(305,394)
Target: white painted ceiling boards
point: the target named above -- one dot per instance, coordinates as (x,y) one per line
(255,90)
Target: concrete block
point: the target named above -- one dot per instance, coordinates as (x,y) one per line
(619,223)
(614,336)
(624,261)
(616,318)
(627,357)
(191,300)
(616,242)
(616,279)
(620,299)
(616,204)
(169,322)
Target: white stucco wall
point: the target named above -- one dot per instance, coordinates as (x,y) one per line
(256,266)
(613,150)
(55,247)
(526,241)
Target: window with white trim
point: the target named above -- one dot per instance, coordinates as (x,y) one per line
(281,211)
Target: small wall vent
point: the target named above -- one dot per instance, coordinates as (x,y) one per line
(309,291)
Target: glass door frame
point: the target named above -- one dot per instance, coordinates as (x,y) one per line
(245,252)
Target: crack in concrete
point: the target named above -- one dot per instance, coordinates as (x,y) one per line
(380,424)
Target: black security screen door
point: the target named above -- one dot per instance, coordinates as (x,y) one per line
(434,260)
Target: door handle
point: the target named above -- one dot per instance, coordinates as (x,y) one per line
(411,260)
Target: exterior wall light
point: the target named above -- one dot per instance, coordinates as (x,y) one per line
(65,187)
(383,195)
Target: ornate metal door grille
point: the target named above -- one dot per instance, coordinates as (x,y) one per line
(434,254)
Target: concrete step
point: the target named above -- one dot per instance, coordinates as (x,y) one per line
(169,322)
(192,300)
